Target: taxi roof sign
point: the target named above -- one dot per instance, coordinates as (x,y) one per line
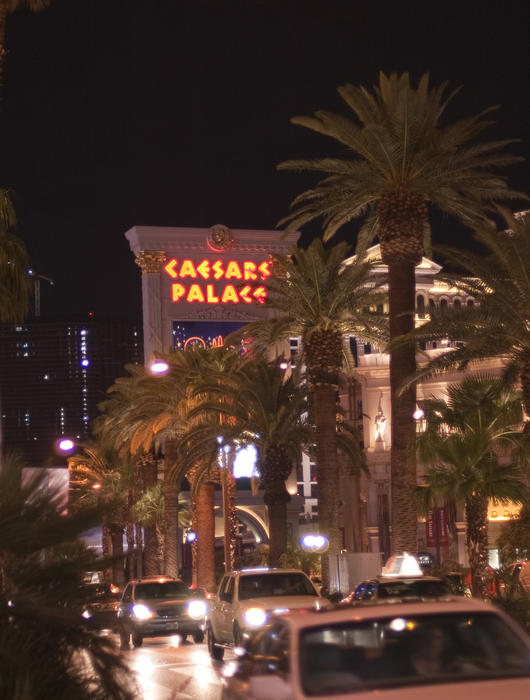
(402,565)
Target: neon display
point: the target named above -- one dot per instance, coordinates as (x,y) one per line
(218,271)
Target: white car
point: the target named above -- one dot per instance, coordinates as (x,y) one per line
(455,648)
(245,600)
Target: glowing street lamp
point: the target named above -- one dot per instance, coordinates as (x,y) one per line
(159,367)
(314,543)
(65,445)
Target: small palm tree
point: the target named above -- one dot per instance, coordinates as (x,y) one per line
(322,301)
(45,649)
(98,475)
(498,322)
(400,159)
(474,452)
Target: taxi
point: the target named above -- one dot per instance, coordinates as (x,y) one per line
(453,647)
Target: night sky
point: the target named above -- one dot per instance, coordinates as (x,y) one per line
(176,113)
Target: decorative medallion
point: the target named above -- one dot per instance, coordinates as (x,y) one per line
(220,237)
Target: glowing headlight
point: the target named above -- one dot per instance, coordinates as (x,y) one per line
(255,617)
(142,612)
(86,614)
(197,609)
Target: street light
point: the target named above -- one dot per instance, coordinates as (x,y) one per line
(314,543)
(159,367)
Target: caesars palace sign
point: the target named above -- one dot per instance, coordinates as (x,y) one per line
(218,281)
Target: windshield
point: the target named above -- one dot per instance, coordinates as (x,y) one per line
(281,584)
(408,651)
(165,589)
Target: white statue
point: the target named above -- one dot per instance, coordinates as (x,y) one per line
(380,422)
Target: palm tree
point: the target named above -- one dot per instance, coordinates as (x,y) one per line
(15,284)
(498,322)
(7,7)
(399,160)
(98,475)
(45,650)
(474,454)
(264,408)
(322,301)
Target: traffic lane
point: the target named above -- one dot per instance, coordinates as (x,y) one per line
(166,669)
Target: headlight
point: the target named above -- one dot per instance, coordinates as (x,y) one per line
(86,614)
(255,617)
(142,612)
(197,609)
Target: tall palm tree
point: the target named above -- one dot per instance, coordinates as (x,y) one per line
(322,301)
(400,159)
(7,7)
(498,323)
(45,650)
(474,454)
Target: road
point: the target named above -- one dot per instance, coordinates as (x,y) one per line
(166,669)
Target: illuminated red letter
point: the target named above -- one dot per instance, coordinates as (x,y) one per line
(233,270)
(264,270)
(244,294)
(177,291)
(250,270)
(187,269)
(260,293)
(210,295)
(217,268)
(195,294)
(170,268)
(204,269)
(229,294)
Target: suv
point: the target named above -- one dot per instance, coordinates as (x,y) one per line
(245,598)
(159,606)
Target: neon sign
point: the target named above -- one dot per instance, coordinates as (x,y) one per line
(217,271)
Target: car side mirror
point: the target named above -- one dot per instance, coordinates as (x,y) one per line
(266,687)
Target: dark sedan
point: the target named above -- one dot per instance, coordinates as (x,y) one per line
(385,587)
(100,605)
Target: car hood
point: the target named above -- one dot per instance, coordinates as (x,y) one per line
(491,689)
(285,602)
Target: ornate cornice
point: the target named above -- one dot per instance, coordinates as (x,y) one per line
(150,261)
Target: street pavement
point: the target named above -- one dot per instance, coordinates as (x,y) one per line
(166,669)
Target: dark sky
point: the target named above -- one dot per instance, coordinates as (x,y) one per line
(176,113)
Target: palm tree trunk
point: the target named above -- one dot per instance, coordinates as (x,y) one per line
(477,543)
(228,485)
(171,496)
(401,285)
(204,522)
(325,418)
(106,548)
(277,531)
(525,386)
(149,479)
(118,573)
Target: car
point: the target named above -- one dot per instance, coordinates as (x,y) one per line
(159,606)
(401,650)
(399,587)
(246,598)
(101,602)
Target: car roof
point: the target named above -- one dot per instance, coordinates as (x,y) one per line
(267,570)
(404,579)
(155,579)
(299,619)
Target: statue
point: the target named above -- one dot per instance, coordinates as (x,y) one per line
(380,422)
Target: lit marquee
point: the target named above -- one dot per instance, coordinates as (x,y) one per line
(191,276)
